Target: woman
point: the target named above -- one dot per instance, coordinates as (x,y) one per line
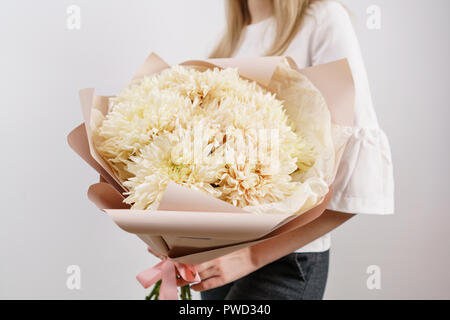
(311,32)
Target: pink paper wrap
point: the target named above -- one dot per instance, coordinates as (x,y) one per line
(189,226)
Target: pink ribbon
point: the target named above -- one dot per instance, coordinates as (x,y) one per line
(166,270)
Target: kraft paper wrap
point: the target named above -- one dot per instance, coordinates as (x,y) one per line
(191,226)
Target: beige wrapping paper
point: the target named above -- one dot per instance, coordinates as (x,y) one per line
(190,226)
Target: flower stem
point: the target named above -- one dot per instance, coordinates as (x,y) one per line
(185,292)
(155,292)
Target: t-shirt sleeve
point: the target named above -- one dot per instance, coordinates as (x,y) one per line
(364,183)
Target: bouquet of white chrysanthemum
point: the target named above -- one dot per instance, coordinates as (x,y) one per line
(210,130)
(183,147)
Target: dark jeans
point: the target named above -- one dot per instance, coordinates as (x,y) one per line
(297,276)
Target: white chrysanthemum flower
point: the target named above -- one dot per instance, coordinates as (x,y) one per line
(169,157)
(210,130)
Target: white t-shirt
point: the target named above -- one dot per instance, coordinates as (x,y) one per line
(364,183)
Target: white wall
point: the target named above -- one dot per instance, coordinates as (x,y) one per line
(48,224)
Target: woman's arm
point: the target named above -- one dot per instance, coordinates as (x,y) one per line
(266,252)
(238,264)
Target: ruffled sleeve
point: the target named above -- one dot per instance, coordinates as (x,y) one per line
(364,182)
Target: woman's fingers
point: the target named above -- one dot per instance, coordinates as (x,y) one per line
(208,284)
(204,266)
(205,272)
(181,282)
(208,273)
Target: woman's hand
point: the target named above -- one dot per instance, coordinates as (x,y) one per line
(223,270)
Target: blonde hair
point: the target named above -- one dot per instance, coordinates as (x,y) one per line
(288,15)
